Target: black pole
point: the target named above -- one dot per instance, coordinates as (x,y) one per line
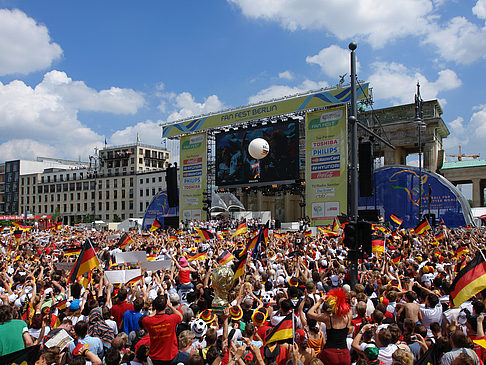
(353,196)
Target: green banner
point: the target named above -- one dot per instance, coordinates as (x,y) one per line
(291,105)
(326,173)
(193,169)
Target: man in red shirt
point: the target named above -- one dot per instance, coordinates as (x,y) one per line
(161,328)
(121,306)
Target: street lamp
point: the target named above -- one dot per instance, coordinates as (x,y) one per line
(420,123)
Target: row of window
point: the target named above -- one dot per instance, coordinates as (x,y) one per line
(78,207)
(107,195)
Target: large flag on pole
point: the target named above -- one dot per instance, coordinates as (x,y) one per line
(204,233)
(155,225)
(422,227)
(86,261)
(124,241)
(469,281)
(282,331)
(242,228)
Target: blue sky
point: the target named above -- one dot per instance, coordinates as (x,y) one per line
(75,73)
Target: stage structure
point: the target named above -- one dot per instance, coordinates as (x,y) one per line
(397,193)
(214,151)
(159,208)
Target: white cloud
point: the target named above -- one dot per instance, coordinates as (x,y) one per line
(186,106)
(459,41)
(279,91)
(43,119)
(398,84)
(480,9)
(287,75)
(26,149)
(149,131)
(79,96)
(333,60)
(376,21)
(25,46)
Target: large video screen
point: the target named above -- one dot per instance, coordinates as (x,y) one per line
(235,166)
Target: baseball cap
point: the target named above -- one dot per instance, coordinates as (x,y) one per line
(371,352)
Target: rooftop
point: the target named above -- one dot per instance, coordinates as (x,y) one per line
(463,164)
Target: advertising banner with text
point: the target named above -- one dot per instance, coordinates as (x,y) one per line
(192,176)
(326,173)
(292,104)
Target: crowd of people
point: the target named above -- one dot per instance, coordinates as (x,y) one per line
(292,304)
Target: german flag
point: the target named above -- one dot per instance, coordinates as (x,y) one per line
(172,238)
(336,225)
(204,234)
(396,259)
(327,232)
(219,237)
(252,242)
(225,257)
(470,280)
(242,228)
(17,235)
(377,227)
(151,257)
(277,235)
(282,331)
(308,233)
(240,267)
(377,244)
(59,225)
(16,223)
(71,251)
(85,262)
(134,280)
(124,241)
(422,227)
(440,236)
(197,256)
(60,305)
(463,250)
(396,219)
(155,225)
(441,222)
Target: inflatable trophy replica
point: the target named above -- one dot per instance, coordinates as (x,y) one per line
(222,284)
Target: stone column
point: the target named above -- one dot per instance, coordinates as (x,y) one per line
(395,157)
(430,156)
(476,192)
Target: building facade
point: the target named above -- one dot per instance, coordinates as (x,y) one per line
(106,188)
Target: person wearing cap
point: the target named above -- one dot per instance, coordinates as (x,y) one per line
(161,328)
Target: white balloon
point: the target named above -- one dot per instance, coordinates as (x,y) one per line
(258,148)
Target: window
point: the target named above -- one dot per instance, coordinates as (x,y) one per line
(107,217)
(52,188)
(115,194)
(153,191)
(123,194)
(72,186)
(55,178)
(141,181)
(65,197)
(123,182)
(130,204)
(115,183)
(100,206)
(160,178)
(78,207)
(115,205)
(65,208)
(153,180)
(92,195)
(78,196)
(107,204)
(100,195)
(147,180)
(48,179)
(123,204)
(58,188)
(130,193)
(107,194)
(85,195)
(58,197)
(147,192)
(131,182)
(141,206)
(71,206)
(141,192)
(85,206)
(71,196)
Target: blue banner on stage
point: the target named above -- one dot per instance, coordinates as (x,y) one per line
(397,192)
